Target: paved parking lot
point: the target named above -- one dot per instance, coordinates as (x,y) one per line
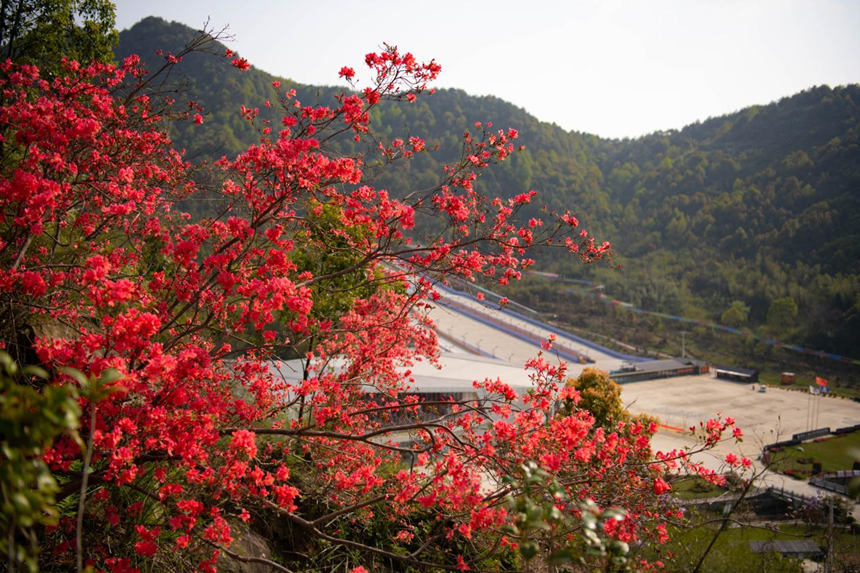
(679,402)
(770,416)
(764,418)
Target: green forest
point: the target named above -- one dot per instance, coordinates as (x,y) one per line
(749,220)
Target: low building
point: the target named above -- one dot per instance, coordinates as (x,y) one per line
(425,382)
(736,374)
(654,369)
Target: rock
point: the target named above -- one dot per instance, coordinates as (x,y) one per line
(247,544)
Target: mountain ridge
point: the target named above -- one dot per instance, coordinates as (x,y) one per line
(753,206)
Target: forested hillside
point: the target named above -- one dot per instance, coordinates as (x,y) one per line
(750,219)
(753,207)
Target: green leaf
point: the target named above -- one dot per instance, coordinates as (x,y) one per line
(537,523)
(36,371)
(8,364)
(110,375)
(619,547)
(21,503)
(77,375)
(560,557)
(528,549)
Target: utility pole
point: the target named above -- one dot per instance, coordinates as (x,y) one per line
(818,409)
(684,344)
(828,561)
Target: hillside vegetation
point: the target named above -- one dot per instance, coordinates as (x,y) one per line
(749,220)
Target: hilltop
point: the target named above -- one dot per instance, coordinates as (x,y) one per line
(752,211)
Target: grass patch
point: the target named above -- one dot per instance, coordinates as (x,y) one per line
(694,487)
(731,552)
(834,454)
(803,382)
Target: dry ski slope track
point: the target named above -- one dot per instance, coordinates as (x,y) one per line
(482,328)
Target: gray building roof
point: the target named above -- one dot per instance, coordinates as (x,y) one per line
(458,372)
(786,547)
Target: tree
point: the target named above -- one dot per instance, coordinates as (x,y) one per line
(782,313)
(600,396)
(736,315)
(42,32)
(29,423)
(189,440)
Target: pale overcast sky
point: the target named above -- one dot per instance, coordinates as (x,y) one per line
(609,67)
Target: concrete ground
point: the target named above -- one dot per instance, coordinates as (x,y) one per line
(764,417)
(680,402)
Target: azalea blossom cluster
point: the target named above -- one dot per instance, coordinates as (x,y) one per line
(199,435)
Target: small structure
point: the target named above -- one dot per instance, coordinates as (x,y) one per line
(653,369)
(799,549)
(736,374)
(787,378)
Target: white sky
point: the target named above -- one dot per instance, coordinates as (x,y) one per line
(609,67)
